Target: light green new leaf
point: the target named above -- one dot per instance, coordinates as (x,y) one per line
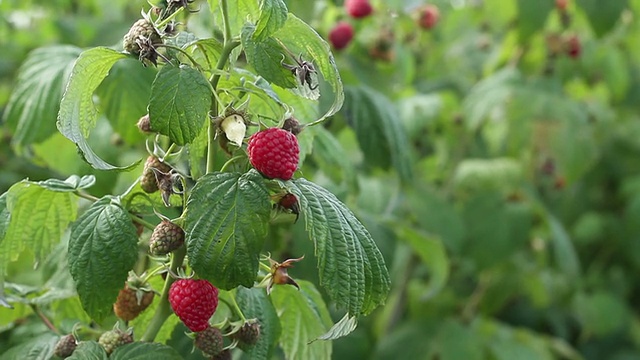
(433,255)
(301,39)
(71,184)
(273,14)
(103,247)
(145,351)
(78,113)
(304,317)
(342,328)
(35,100)
(124,96)
(255,303)
(38,219)
(225,225)
(89,350)
(240,13)
(265,55)
(351,268)
(379,130)
(180,103)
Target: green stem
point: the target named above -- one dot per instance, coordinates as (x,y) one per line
(84,195)
(224,57)
(163,311)
(142,222)
(225,21)
(44,318)
(229,162)
(234,306)
(193,61)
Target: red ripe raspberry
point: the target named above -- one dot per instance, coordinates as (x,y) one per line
(341,34)
(194,301)
(429,16)
(274,153)
(358,8)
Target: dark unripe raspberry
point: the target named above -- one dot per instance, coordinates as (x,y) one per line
(274,153)
(113,339)
(166,237)
(194,301)
(341,34)
(65,346)
(224,355)
(358,8)
(210,341)
(141,29)
(249,334)
(131,302)
(148,182)
(144,124)
(573,46)
(428,17)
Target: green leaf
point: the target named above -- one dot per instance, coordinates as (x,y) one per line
(89,350)
(433,255)
(255,303)
(225,225)
(38,348)
(145,351)
(351,268)
(532,16)
(438,216)
(330,153)
(240,13)
(78,114)
(208,51)
(180,103)
(5,216)
(303,317)
(563,250)
(601,313)
(342,328)
(35,100)
(300,38)
(603,15)
(265,56)
(273,14)
(38,219)
(490,94)
(124,96)
(380,134)
(481,175)
(71,184)
(103,247)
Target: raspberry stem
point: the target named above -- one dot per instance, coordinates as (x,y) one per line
(163,311)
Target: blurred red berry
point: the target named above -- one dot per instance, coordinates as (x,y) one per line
(358,8)
(562,4)
(429,15)
(573,47)
(341,35)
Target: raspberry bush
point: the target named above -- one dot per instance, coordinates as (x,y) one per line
(222,150)
(487,150)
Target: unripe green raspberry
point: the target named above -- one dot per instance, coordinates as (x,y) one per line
(113,339)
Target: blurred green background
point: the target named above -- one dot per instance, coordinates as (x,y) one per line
(498,171)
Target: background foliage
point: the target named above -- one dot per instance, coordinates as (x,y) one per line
(499,177)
